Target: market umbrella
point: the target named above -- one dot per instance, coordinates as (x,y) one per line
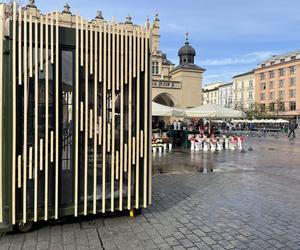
(162,110)
(214,111)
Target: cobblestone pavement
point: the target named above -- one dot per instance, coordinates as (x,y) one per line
(251,201)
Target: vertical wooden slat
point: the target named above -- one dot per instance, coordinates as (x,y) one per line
(51,146)
(125,156)
(149,74)
(30,45)
(91,123)
(104,120)
(121,119)
(36,118)
(19,171)
(118,57)
(76,165)
(81,116)
(20,44)
(113,119)
(41,154)
(95,119)
(129,121)
(126,56)
(100,54)
(108,136)
(100,130)
(142,49)
(133,151)
(52,38)
(137,169)
(142,143)
(86,132)
(25,122)
(30,163)
(146,118)
(109,57)
(2,20)
(41,43)
(46,114)
(14,110)
(81,44)
(91,48)
(117,165)
(56,113)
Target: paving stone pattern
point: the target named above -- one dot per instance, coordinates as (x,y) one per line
(256,206)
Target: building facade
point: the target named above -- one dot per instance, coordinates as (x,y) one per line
(179,86)
(278,84)
(244,91)
(225,95)
(211,93)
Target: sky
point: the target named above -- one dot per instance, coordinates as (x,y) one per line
(229,36)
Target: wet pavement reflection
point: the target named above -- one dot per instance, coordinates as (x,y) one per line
(257,154)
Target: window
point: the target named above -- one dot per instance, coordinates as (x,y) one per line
(155,68)
(272,63)
(292,93)
(250,84)
(263,86)
(263,65)
(281,106)
(292,81)
(262,76)
(250,95)
(281,83)
(271,74)
(271,84)
(272,106)
(293,58)
(281,94)
(271,95)
(251,106)
(235,96)
(282,60)
(242,95)
(262,107)
(262,96)
(292,105)
(236,85)
(292,69)
(281,72)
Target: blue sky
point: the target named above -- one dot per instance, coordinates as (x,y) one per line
(230,36)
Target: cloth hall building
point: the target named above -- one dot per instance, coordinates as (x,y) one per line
(176,86)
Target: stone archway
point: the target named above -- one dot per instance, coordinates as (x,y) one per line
(165,99)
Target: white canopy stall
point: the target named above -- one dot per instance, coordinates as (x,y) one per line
(162,110)
(214,111)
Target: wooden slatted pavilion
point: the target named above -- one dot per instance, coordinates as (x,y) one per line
(75,111)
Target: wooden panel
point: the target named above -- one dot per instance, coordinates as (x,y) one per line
(46,116)
(25,105)
(20,45)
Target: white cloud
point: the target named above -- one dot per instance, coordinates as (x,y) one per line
(254,57)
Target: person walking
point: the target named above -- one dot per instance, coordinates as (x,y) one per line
(292,128)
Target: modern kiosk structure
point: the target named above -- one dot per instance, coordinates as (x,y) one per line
(75,116)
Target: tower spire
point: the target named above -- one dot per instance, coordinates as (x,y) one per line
(187,38)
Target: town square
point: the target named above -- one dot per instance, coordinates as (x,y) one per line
(137,125)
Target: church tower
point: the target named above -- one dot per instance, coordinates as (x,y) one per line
(190,75)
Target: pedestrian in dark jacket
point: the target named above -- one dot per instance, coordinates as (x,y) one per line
(292,128)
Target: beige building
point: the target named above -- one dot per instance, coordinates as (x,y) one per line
(278,84)
(244,91)
(211,93)
(179,86)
